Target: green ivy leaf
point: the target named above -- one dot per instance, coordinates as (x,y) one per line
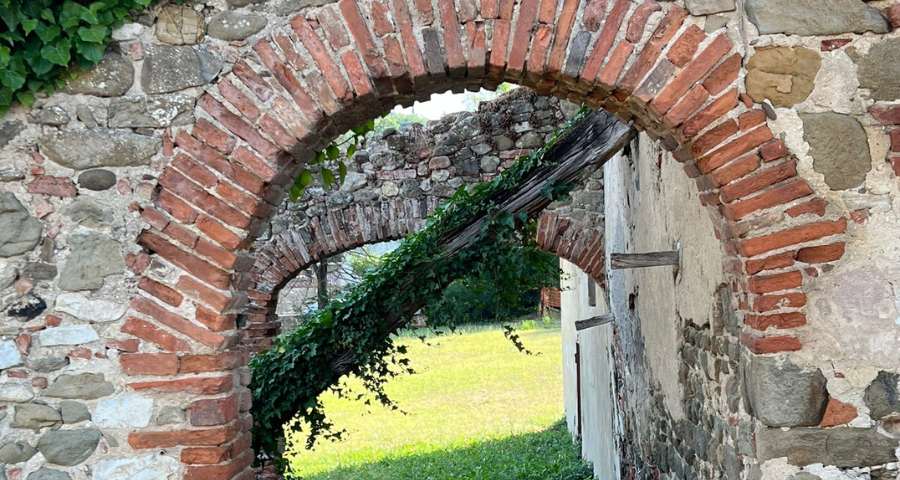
(351,151)
(47,33)
(93,52)
(5,96)
(28,25)
(13,76)
(58,52)
(305,178)
(332,152)
(95,34)
(327,318)
(25,98)
(327,177)
(342,172)
(4,56)
(47,15)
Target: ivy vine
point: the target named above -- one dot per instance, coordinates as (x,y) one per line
(353,335)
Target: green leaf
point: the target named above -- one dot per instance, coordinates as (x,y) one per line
(327,318)
(327,177)
(4,56)
(95,34)
(93,52)
(332,152)
(25,98)
(28,25)
(305,178)
(47,15)
(13,76)
(351,151)
(58,52)
(342,172)
(47,33)
(5,96)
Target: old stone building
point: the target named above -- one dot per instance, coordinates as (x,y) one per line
(134,288)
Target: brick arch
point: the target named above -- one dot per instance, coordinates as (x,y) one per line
(341,230)
(307,81)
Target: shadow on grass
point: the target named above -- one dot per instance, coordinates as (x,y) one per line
(546,455)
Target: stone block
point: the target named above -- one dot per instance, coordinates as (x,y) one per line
(93,257)
(233,26)
(85,386)
(85,149)
(839,147)
(877,69)
(151,111)
(783,75)
(882,395)
(19,231)
(112,77)
(706,7)
(841,447)
(814,17)
(784,395)
(68,447)
(170,69)
(130,411)
(179,25)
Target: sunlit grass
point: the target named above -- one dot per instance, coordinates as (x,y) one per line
(475,409)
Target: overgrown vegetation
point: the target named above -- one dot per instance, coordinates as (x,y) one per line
(353,335)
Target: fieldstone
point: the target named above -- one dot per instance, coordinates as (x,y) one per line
(839,147)
(129,31)
(156,467)
(82,308)
(233,26)
(47,364)
(86,116)
(439,162)
(293,6)
(170,415)
(123,412)
(715,22)
(9,131)
(9,354)
(83,386)
(18,452)
(813,17)
(179,25)
(86,213)
(784,75)
(54,115)
(784,395)
(531,140)
(35,416)
(882,395)
(73,412)
(152,112)
(353,181)
(85,149)
(8,273)
(210,65)
(706,7)
(97,180)
(489,164)
(170,68)
(11,175)
(244,3)
(877,69)
(19,231)
(409,188)
(49,474)
(68,335)
(15,393)
(842,447)
(28,308)
(93,257)
(68,447)
(111,77)
(39,271)
(390,189)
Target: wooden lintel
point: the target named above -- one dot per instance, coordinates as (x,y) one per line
(594,322)
(621,261)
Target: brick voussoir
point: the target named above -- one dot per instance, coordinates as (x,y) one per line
(177,322)
(793,236)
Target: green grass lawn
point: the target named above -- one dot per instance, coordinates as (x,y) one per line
(475,409)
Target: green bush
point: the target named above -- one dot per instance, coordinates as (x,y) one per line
(44,38)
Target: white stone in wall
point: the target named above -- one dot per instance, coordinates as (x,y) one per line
(123,412)
(83,308)
(69,335)
(15,393)
(150,467)
(9,355)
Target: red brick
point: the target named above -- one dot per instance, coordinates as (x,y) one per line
(81,352)
(212,412)
(323,59)
(539,47)
(280,135)
(425,11)
(793,236)
(215,321)
(205,455)
(499,47)
(53,186)
(766,345)
(766,303)
(218,232)
(773,150)
(288,80)
(490,9)
(371,54)
(713,138)
(613,68)
(252,81)
(23,342)
(209,437)
(131,345)
(168,146)
(148,332)
(683,49)
(160,364)
(381,18)
(893,15)
(238,99)
(176,207)
(415,63)
(724,75)
(199,291)
(547,13)
(193,386)
(593,14)
(217,472)
(333,26)
(185,260)
(211,363)
(860,216)
(638,21)
(456,59)
(895,140)
(213,137)
(776,282)
(666,30)
(821,254)
(290,53)
(605,40)
(712,112)
(235,125)
(759,181)
(834,44)
(194,170)
(160,291)
(888,115)
(154,218)
(563,31)
(393,54)
(734,170)
(692,73)
(838,412)
(776,196)
(816,206)
(776,320)
(773,262)
(476,45)
(220,256)
(687,106)
(751,119)
(177,323)
(177,183)
(735,149)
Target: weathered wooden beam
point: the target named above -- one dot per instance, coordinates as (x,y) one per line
(621,261)
(594,322)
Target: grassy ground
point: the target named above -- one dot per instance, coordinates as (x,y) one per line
(476,409)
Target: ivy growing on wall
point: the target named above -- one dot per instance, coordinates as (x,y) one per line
(353,334)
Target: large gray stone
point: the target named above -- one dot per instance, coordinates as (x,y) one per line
(47,364)
(839,147)
(179,25)
(842,447)
(786,76)
(112,77)
(81,150)
(882,396)
(18,452)
(93,257)
(706,7)
(35,416)
(233,26)
(49,474)
(15,393)
(784,395)
(19,231)
(73,412)
(128,411)
(153,111)
(9,131)
(157,467)
(9,355)
(53,115)
(878,69)
(97,179)
(40,271)
(170,69)
(83,308)
(68,335)
(68,447)
(815,17)
(88,214)
(292,6)
(84,386)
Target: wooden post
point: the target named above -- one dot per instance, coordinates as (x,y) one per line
(621,261)
(594,322)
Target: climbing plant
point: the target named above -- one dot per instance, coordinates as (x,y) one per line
(353,334)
